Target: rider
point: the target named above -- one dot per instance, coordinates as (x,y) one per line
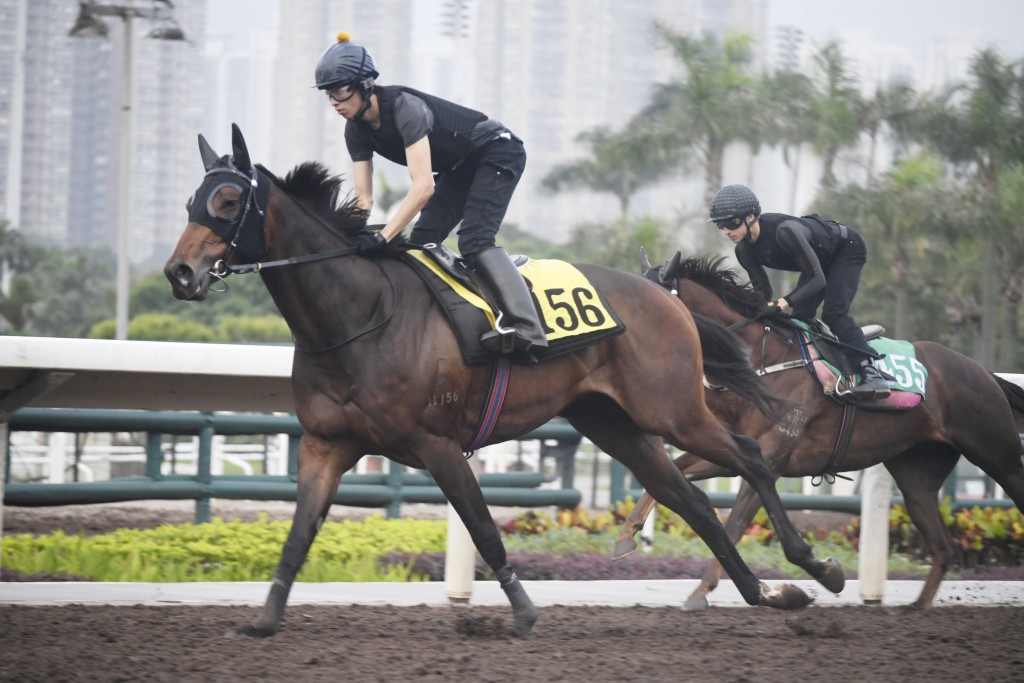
(477,163)
(829,257)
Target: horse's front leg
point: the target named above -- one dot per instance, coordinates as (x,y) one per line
(743,511)
(828,572)
(321,464)
(455,478)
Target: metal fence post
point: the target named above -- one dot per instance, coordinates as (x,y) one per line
(617,492)
(203,475)
(293,457)
(395,471)
(154,455)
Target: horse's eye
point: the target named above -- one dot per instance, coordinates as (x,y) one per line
(225,202)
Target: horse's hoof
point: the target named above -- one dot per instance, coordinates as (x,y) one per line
(524,620)
(786,597)
(832,576)
(696,603)
(623,548)
(253,631)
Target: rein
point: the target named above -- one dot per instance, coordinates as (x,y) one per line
(362,333)
(221,269)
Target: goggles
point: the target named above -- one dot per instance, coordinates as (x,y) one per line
(342,93)
(729,223)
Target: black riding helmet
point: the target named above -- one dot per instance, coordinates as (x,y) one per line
(734,201)
(346,63)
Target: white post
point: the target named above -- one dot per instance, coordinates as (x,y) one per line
(647,533)
(125,189)
(460,553)
(873,564)
(56,449)
(459,560)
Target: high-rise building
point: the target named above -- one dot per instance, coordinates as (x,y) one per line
(551,70)
(37,78)
(61,122)
(306,128)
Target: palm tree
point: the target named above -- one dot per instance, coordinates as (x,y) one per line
(979,128)
(620,162)
(834,118)
(888,110)
(713,104)
(1011,205)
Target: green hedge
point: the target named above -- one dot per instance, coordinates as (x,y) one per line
(226,551)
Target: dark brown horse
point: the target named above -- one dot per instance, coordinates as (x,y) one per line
(377,369)
(967,410)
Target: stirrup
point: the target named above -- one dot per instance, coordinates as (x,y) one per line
(503,340)
(869,394)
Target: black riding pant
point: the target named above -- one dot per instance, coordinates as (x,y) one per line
(842,278)
(477,193)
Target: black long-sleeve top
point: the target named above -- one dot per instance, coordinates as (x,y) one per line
(804,245)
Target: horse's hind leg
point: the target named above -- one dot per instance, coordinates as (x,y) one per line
(688,465)
(321,465)
(705,437)
(920,472)
(742,514)
(612,430)
(454,477)
(624,544)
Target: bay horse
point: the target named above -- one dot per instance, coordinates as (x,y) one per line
(377,369)
(967,410)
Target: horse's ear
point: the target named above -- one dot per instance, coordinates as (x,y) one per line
(645,265)
(239,150)
(668,271)
(206,152)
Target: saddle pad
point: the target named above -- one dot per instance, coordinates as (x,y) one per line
(572,311)
(900,361)
(910,375)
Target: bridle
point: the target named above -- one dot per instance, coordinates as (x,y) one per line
(249,230)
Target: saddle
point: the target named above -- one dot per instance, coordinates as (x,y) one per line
(558,290)
(826,360)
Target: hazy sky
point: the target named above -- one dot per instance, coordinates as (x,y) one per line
(911,23)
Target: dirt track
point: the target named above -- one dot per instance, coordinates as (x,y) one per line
(473,644)
(360,643)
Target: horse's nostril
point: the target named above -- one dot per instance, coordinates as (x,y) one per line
(183,275)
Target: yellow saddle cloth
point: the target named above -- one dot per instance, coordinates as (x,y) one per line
(572,311)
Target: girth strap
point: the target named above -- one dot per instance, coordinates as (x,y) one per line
(492,406)
(842,445)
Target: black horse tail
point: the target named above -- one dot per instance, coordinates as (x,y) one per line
(1015,397)
(727,364)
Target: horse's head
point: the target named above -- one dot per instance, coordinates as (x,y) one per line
(226,220)
(708,287)
(662,275)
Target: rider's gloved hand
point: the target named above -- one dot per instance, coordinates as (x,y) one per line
(766,309)
(370,241)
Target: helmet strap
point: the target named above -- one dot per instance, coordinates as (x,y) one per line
(747,224)
(367,93)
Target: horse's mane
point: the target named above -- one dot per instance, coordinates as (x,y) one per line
(318,191)
(710,273)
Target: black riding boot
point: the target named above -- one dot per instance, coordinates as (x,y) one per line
(872,385)
(518,330)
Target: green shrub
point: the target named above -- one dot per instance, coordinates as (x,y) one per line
(226,551)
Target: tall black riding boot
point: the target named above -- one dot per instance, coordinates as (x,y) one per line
(518,330)
(872,385)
